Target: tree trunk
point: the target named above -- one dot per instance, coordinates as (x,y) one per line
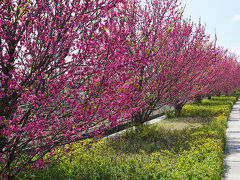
(198,99)
(138,118)
(178,108)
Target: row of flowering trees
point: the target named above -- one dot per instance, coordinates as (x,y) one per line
(70,69)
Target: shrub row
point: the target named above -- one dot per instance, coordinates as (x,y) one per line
(216,102)
(199,157)
(224,98)
(236,94)
(205,111)
(150,152)
(212,107)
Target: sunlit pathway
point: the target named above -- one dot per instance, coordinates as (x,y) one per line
(232,159)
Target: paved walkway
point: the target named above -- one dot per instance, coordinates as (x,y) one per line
(232,160)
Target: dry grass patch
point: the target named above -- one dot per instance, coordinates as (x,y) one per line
(180,123)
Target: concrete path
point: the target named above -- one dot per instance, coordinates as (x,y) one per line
(232,159)
(148,122)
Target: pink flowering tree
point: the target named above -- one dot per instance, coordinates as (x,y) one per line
(147,41)
(177,61)
(63,76)
(71,69)
(226,80)
(194,59)
(184,63)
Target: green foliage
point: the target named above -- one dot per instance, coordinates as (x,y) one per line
(224,98)
(151,138)
(155,153)
(171,114)
(216,102)
(205,111)
(209,108)
(151,151)
(237,94)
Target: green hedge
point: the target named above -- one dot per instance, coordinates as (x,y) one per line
(201,157)
(149,152)
(217,102)
(200,162)
(224,98)
(236,94)
(205,111)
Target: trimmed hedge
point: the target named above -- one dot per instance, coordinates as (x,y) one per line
(236,94)
(150,152)
(224,98)
(217,102)
(205,111)
(200,158)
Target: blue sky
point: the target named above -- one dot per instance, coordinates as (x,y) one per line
(220,16)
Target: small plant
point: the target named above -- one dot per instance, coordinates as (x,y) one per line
(171,114)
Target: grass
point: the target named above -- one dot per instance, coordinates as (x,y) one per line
(187,147)
(179,123)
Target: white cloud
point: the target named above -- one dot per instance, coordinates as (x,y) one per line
(235,18)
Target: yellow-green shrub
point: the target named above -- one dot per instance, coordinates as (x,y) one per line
(205,111)
(236,94)
(195,153)
(202,160)
(216,102)
(224,98)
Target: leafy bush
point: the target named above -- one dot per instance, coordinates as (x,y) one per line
(205,111)
(236,94)
(149,152)
(186,154)
(171,114)
(224,98)
(216,102)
